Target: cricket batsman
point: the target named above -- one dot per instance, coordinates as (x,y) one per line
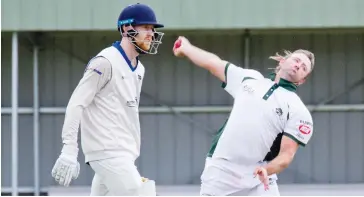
(267,123)
(104,106)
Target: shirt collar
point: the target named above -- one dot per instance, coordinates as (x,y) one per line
(122,52)
(284,83)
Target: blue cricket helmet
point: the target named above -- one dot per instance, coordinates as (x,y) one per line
(138,14)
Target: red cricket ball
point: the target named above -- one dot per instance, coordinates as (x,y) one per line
(177,44)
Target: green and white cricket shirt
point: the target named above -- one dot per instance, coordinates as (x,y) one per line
(262,112)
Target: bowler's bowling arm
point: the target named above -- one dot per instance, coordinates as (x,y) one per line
(207,60)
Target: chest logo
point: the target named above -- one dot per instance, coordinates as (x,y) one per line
(248,89)
(279,111)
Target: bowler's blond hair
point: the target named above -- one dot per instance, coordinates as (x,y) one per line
(287,54)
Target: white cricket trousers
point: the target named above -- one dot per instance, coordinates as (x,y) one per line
(115,177)
(222,178)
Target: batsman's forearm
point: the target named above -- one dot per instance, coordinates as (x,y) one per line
(71,124)
(278,164)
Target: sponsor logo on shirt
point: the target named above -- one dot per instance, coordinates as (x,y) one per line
(304,129)
(94,70)
(300,136)
(306,122)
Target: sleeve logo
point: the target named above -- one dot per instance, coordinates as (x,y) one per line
(304,129)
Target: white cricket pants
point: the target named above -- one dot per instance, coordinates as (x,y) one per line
(223,180)
(115,177)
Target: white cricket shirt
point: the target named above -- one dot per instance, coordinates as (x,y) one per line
(105,104)
(262,112)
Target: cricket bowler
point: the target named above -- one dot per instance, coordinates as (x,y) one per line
(267,123)
(104,106)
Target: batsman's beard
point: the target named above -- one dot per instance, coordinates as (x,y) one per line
(145,45)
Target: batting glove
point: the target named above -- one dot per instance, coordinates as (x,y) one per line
(66,167)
